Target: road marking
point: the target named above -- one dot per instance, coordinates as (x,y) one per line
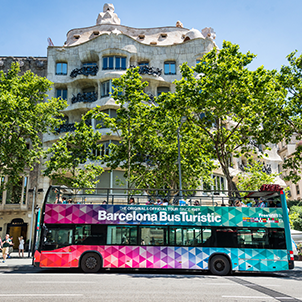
(251,285)
(64,282)
(259,297)
(40,295)
(270,293)
(248,297)
(285,298)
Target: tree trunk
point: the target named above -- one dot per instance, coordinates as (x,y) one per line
(232,188)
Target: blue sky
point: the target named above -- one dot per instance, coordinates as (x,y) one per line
(269,28)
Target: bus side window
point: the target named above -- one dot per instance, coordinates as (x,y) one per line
(208,237)
(122,235)
(154,235)
(172,235)
(277,239)
(253,238)
(58,238)
(226,237)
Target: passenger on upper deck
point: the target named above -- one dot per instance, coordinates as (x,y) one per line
(260,203)
(238,203)
(131,201)
(165,202)
(149,202)
(271,203)
(196,203)
(159,202)
(58,198)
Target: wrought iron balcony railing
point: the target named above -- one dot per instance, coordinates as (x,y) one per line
(86,97)
(85,70)
(70,127)
(156,72)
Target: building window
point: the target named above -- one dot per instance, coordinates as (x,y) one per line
(114,62)
(217,185)
(90,64)
(111,113)
(106,88)
(61,68)
(15,192)
(170,67)
(161,90)
(105,149)
(120,63)
(298,189)
(62,93)
(141,64)
(114,179)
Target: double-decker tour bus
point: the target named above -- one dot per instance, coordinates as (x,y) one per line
(93,231)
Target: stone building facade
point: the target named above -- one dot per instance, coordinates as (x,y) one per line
(83,68)
(16,215)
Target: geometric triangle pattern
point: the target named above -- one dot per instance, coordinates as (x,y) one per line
(187,215)
(157,257)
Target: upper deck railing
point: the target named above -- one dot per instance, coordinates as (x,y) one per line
(162,197)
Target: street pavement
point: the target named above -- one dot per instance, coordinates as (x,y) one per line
(20,281)
(16,262)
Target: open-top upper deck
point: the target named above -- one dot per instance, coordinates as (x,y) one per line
(162,197)
(92,208)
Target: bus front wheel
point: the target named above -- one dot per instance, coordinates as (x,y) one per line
(91,263)
(220,265)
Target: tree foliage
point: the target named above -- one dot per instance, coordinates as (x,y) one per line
(291,79)
(235,108)
(295,217)
(147,149)
(73,160)
(253,177)
(25,115)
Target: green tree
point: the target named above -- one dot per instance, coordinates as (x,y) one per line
(235,108)
(296,218)
(253,177)
(147,150)
(26,113)
(74,159)
(291,79)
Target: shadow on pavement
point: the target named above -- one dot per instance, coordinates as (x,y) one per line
(150,273)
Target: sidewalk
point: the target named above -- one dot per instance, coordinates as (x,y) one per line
(15,261)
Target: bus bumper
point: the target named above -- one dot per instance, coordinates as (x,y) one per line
(291,264)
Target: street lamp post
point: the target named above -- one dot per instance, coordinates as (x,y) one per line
(32,219)
(183,119)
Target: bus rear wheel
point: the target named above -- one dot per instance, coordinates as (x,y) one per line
(91,263)
(220,265)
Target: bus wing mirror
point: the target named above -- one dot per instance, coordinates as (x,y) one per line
(45,231)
